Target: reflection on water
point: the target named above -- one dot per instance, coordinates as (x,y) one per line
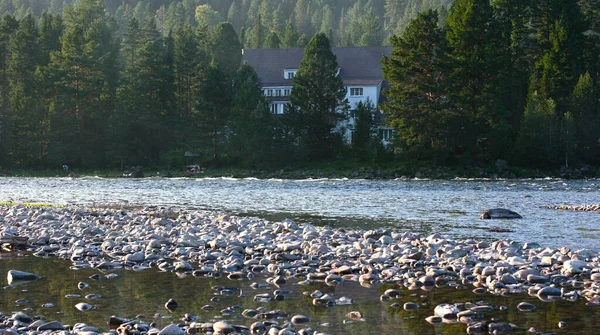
(450,207)
(144,293)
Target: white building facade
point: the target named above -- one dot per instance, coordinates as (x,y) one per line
(359,68)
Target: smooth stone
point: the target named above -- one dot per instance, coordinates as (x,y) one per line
(36,324)
(549,291)
(53,325)
(300,319)
(171,330)
(137,257)
(222,327)
(526,307)
(15,276)
(499,213)
(433,319)
(500,328)
(171,304)
(574,267)
(536,279)
(410,306)
(446,311)
(82,306)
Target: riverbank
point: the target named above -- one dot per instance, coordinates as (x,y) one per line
(273,254)
(336,170)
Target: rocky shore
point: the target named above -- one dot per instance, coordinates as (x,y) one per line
(585,208)
(208,244)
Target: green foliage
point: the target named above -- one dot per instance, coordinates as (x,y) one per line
(252,126)
(365,142)
(272,41)
(132,82)
(225,48)
(536,143)
(416,105)
(318,99)
(214,106)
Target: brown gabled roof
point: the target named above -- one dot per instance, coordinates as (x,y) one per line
(359,65)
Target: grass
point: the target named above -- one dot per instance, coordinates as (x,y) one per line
(30,204)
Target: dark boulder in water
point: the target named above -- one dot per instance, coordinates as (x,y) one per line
(499,213)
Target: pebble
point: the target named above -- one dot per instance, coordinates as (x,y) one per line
(526,307)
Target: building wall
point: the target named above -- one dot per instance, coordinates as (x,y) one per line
(369,92)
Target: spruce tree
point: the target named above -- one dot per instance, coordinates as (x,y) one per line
(85,74)
(26,115)
(416,105)
(272,41)
(317,98)
(252,126)
(7,26)
(472,38)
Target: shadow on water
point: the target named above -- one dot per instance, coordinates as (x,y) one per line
(132,294)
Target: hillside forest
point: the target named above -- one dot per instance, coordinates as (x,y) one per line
(112,84)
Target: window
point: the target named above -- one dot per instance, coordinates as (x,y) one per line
(286,92)
(356,91)
(268,93)
(289,73)
(386,134)
(274,108)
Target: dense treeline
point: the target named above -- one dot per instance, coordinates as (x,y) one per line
(93,88)
(261,23)
(509,79)
(75,91)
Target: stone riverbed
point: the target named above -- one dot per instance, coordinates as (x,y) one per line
(254,267)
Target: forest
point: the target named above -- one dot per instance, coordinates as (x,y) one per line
(112,84)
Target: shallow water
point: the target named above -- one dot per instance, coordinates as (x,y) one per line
(449,207)
(144,293)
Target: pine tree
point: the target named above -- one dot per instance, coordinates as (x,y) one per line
(290,37)
(145,95)
(252,126)
(256,36)
(416,105)
(85,75)
(7,27)
(536,143)
(585,114)
(51,28)
(214,106)
(26,115)
(472,38)
(272,41)
(225,48)
(317,99)
(364,140)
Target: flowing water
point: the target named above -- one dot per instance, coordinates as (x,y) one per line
(448,207)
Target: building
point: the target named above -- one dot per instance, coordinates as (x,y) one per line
(359,69)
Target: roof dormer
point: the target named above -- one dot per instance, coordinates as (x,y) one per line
(289,73)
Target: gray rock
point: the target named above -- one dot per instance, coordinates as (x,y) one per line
(222,327)
(53,325)
(300,319)
(499,213)
(83,306)
(171,330)
(16,277)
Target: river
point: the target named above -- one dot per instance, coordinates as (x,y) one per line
(449,207)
